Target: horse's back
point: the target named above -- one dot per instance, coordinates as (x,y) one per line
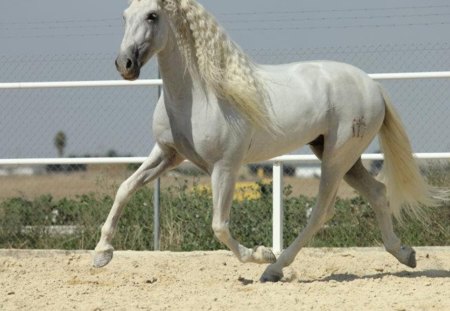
(315,86)
(330,75)
(310,99)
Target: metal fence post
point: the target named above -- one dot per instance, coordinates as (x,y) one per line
(156,201)
(278,213)
(156,215)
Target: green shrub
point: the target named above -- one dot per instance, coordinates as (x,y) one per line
(186,218)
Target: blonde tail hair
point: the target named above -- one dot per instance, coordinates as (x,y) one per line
(406,188)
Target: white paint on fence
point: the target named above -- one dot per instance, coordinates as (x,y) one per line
(277,207)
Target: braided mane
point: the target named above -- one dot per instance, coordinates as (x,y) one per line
(217,61)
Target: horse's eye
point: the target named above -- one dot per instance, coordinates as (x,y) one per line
(152,17)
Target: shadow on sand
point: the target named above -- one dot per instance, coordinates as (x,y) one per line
(346,277)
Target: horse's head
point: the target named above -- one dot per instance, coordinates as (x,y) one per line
(146,32)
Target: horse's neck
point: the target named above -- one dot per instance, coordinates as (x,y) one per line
(178,83)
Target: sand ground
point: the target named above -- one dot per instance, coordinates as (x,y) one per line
(319,279)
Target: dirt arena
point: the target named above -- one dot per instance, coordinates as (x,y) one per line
(319,279)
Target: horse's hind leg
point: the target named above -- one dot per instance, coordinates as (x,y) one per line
(338,156)
(375,192)
(158,162)
(329,182)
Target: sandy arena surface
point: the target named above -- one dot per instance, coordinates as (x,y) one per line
(319,279)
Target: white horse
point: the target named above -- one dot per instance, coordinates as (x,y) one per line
(220,110)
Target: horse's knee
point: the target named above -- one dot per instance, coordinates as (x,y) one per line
(221,231)
(123,188)
(131,184)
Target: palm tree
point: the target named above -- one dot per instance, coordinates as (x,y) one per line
(60,142)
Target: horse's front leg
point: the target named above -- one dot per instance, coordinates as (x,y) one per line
(158,162)
(223,181)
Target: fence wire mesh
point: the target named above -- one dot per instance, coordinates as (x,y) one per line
(117,122)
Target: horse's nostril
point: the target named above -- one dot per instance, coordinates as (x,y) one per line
(129,63)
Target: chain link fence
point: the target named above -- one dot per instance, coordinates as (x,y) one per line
(109,121)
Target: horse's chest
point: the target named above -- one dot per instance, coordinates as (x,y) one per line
(195,142)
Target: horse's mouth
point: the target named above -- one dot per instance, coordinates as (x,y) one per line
(130,76)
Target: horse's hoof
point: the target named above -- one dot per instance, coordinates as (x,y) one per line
(412,259)
(102,258)
(263,254)
(408,256)
(271,275)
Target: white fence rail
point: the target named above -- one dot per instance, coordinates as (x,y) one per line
(277,162)
(157,82)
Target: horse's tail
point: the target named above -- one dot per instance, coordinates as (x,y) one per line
(406,188)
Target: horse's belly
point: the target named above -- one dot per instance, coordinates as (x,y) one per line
(264,147)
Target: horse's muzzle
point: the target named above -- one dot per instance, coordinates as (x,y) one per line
(128,67)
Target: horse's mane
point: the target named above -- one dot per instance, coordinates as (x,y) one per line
(217,61)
